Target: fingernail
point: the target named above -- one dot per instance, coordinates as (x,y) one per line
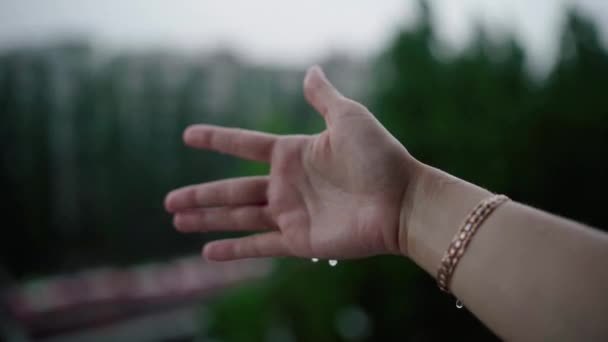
(177,220)
(317,68)
(166,202)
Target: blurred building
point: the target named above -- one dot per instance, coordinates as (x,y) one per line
(149,302)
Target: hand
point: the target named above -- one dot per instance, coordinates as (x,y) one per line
(334,195)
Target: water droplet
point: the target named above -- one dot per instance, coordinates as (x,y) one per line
(459,304)
(314,259)
(333,263)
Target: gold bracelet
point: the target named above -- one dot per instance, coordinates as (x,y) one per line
(463,237)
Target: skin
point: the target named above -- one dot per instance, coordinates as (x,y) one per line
(354,191)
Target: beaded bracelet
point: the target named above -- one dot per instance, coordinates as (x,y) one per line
(463,237)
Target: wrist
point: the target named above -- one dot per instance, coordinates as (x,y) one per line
(410,198)
(431,213)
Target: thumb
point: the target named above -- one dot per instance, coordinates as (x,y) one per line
(320,93)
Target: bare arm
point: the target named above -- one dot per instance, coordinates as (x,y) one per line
(354,191)
(527,274)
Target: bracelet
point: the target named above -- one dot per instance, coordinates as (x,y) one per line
(463,237)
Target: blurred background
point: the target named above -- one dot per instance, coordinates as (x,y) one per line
(94,96)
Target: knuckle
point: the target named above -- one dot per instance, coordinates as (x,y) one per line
(229,195)
(349,107)
(203,137)
(193,196)
(242,216)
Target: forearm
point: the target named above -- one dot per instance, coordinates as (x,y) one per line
(526,274)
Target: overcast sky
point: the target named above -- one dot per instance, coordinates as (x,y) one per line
(276,31)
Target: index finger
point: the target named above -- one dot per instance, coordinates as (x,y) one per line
(242,143)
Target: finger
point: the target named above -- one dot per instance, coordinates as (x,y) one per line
(320,93)
(268,244)
(227,192)
(246,218)
(235,141)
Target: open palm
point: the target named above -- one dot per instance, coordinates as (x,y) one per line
(337,194)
